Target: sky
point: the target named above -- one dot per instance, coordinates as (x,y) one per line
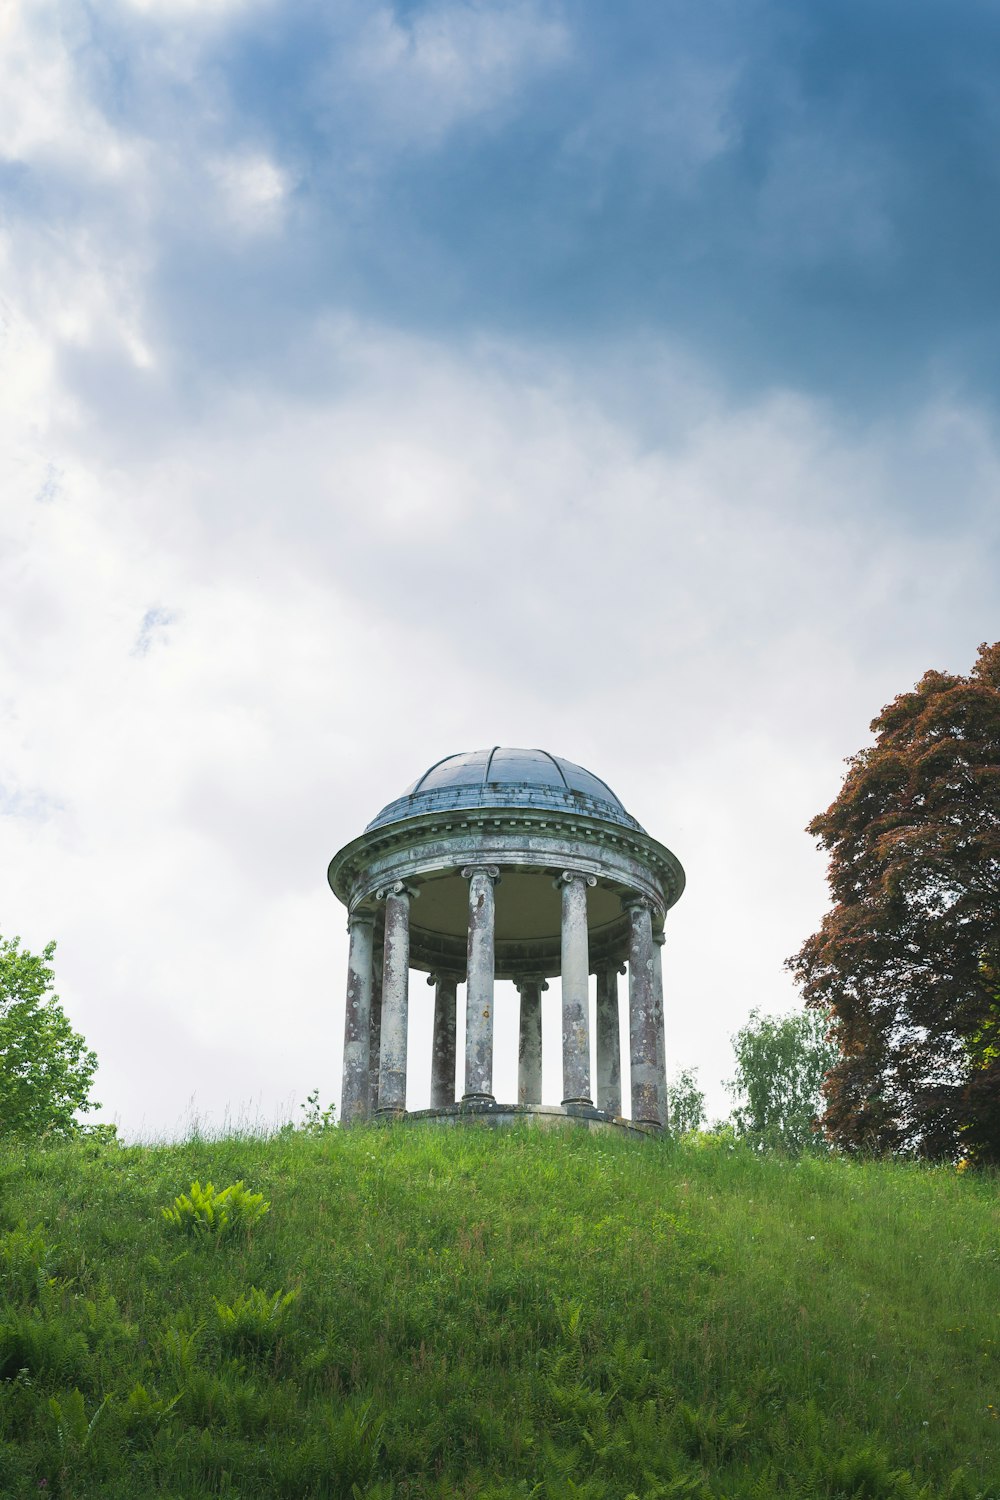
(381,381)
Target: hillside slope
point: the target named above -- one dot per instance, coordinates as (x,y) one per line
(526,1314)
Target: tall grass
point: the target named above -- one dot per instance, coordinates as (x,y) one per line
(462,1312)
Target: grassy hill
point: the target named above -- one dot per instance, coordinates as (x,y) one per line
(528,1314)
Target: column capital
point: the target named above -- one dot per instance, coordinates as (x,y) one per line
(531,979)
(568,876)
(444,976)
(360,918)
(659,938)
(492,871)
(636,902)
(610,966)
(396,888)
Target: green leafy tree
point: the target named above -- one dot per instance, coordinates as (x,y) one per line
(45,1067)
(907,960)
(781,1062)
(685,1102)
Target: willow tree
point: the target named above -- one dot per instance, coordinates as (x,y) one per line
(907,961)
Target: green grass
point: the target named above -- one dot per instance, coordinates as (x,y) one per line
(459,1312)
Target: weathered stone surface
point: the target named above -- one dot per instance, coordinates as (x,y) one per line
(529,1046)
(545,1116)
(395,1001)
(375,1028)
(661,1043)
(479,982)
(642,1016)
(609,1060)
(443,1044)
(575,974)
(622,860)
(357,1019)
(520,817)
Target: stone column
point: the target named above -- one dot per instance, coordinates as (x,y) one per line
(575,977)
(357,1019)
(609,1058)
(479,982)
(395,1000)
(661,1044)
(443,1046)
(642,1015)
(529,1047)
(375,1030)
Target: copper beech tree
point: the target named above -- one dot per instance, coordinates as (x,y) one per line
(907,962)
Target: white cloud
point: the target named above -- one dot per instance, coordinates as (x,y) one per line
(46,116)
(454,549)
(447,63)
(254,190)
(237,616)
(198,12)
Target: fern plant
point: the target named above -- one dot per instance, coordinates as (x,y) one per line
(178,1352)
(26,1261)
(73,1431)
(353,1442)
(142,1412)
(254,1320)
(210,1214)
(47,1348)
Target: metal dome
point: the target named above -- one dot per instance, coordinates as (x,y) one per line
(502,777)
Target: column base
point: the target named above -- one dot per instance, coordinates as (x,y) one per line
(478,1099)
(500,1116)
(391,1112)
(588,1103)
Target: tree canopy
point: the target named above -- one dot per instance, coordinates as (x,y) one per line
(781,1062)
(685,1102)
(46,1068)
(907,961)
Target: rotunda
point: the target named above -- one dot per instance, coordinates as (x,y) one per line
(505,864)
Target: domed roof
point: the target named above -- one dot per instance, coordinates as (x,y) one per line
(502,777)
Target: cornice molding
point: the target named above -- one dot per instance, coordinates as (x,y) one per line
(408,837)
